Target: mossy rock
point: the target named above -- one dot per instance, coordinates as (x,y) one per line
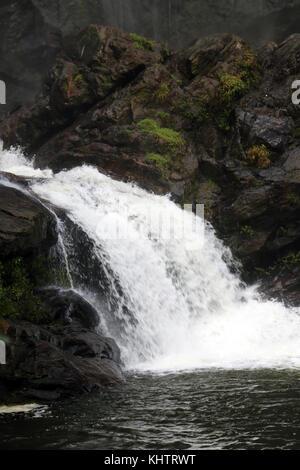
(172,138)
(142,43)
(18,300)
(163,162)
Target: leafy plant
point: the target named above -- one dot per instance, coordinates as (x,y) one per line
(161,94)
(247,231)
(259,155)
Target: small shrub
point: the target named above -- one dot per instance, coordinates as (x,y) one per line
(161,94)
(259,155)
(249,69)
(247,231)
(231,86)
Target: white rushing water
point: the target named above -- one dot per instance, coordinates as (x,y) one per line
(187,310)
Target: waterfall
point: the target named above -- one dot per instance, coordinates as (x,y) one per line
(179,306)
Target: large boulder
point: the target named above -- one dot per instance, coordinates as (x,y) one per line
(62,358)
(26,225)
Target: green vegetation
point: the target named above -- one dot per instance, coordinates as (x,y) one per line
(45,271)
(259,155)
(79,80)
(161,94)
(172,143)
(173,138)
(290,259)
(285,262)
(202,111)
(165,50)
(177,80)
(247,231)
(163,162)
(293,199)
(230,89)
(231,86)
(183,107)
(249,70)
(17,298)
(19,279)
(143,96)
(163,115)
(142,43)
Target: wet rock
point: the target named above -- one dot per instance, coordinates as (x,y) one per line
(269,130)
(292,163)
(61,359)
(25,225)
(67,305)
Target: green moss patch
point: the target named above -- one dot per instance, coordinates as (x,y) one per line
(247,231)
(163,162)
(171,137)
(18,300)
(142,43)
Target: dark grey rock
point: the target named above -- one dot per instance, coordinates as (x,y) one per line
(61,359)
(25,225)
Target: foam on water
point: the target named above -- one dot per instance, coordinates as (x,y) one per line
(21,408)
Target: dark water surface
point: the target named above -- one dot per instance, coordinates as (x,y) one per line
(202,410)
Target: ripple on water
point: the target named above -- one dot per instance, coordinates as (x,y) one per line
(201,410)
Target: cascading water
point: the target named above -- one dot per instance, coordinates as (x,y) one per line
(185,309)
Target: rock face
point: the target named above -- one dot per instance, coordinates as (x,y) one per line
(213,124)
(55,348)
(25,225)
(33,31)
(62,358)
